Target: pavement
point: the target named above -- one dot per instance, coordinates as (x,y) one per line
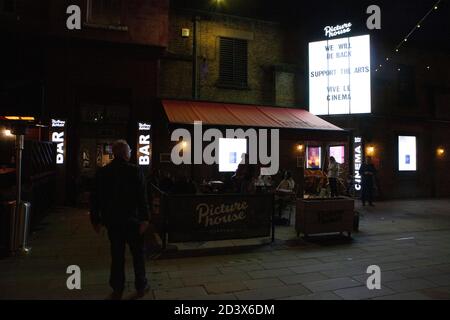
(409,240)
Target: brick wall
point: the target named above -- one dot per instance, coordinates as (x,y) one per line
(265,53)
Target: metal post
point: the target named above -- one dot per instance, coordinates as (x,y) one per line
(273,218)
(19,148)
(164,218)
(21,223)
(25,228)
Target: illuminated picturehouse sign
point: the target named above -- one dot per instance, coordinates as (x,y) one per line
(331,31)
(58,136)
(144,148)
(358,158)
(339,76)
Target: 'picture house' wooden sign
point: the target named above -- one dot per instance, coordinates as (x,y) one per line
(212,217)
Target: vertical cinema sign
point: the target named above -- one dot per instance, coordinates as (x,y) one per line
(58,136)
(144,147)
(358,158)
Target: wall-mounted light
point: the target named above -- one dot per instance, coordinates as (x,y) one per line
(7,133)
(370,151)
(185,32)
(440,152)
(300,147)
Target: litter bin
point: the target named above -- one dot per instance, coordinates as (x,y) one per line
(19,227)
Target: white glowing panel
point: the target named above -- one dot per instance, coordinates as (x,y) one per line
(230,153)
(338,152)
(407,153)
(339,76)
(313,157)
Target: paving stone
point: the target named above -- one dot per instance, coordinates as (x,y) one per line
(316,267)
(331,284)
(409,285)
(439,279)
(240,268)
(273,273)
(385,277)
(315,254)
(200,280)
(157,275)
(360,293)
(316,296)
(166,283)
(194,273)
(405,296)
(263,283)
(420,272)
(272,293)
(225,287)
(289,263)
(423,262)
(304,277)
(344,272)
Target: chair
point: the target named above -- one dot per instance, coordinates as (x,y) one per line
(292,203)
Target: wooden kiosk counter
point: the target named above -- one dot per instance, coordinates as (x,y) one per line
(324,215)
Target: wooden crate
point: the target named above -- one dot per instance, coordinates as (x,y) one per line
(315,216)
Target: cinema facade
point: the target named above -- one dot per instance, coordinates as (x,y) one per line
(394,106)
(102,84)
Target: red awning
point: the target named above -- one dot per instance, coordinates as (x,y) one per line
(216,113)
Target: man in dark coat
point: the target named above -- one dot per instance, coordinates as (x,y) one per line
(367,172)
(119,202)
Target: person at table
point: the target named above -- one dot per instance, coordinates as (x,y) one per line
(245,174)
(286,185)
(333,175)
(367,172)
(268,181)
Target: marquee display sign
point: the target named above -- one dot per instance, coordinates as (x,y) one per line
(339,76)
(58,136)
(144,146)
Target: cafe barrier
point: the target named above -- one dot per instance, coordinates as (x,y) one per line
(195,217)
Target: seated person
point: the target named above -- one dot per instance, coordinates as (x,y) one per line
(268,181)
(286,185)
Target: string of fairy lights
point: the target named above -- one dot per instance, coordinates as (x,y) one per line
(416,27)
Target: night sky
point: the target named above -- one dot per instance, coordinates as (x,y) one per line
(398,17)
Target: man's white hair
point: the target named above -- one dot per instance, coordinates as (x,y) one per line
(120,149)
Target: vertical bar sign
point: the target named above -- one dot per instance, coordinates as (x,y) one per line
(144,146)
(58,136)
(358,158)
